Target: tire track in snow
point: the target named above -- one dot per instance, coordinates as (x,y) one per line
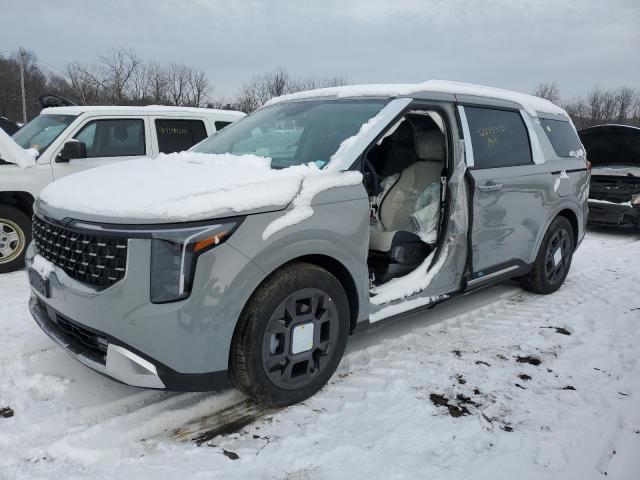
(366,375)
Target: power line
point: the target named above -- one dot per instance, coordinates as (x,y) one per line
(51,65)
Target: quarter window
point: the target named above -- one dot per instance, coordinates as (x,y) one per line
(179,135)
(562,135)
(123,137)
(220,125)
(499,138)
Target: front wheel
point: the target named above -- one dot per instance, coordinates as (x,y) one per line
(291,336)
(15,235)
(552,264)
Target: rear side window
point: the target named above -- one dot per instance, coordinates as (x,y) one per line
(122,137)
(221,125)
(562,136)
(499,138)
(179,135)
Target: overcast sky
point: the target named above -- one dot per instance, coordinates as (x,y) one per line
(506,43)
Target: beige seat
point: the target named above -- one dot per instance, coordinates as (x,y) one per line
(399,203)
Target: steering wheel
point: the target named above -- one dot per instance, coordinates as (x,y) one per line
(373,175)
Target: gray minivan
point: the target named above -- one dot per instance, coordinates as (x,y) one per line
(251,258)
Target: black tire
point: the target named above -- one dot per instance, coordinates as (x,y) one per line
(15,236)
(548,274)
(262,363)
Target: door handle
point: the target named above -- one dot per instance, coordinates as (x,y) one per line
(490,187)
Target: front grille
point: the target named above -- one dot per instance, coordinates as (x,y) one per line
(99,261)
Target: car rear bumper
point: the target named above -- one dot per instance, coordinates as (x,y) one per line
(112,358)
(605,213)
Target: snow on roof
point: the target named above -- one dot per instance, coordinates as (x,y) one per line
(149,109)
(531,103)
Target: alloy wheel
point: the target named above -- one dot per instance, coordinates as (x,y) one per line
(12,241)
(299,340)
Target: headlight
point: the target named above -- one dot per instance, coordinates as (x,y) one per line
(635,200)
(174,254)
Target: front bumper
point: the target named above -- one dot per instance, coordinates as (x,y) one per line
(613,214)
(113,359)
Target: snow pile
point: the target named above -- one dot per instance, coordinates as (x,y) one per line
(314,183)
(496,384)
(344,151)
(11,152)
(179,186)
(607,202)
(320,180)
(580,153)
(404,306)
(414,282)
(43,266)
(531,103)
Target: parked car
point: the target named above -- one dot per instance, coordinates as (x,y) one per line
(614,153)
(319,213)
(8,126)
(69,139)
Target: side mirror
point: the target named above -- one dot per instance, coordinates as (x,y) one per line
(72,149)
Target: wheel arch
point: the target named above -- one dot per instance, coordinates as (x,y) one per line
(573,220)
(338,270)
(334,267)
(21,200)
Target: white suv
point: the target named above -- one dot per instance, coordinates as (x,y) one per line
(69,139)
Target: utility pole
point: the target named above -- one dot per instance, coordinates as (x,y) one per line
(24,97)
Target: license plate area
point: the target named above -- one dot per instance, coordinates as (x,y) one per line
(39,284)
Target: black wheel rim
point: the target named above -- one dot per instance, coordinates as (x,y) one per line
(558,256)
(304,308)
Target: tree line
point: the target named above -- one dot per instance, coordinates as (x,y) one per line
(121,77)
(614,105)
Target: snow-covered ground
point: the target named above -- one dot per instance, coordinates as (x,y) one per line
(536,387)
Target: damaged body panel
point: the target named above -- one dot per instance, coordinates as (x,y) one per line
(316,214)
(614,195)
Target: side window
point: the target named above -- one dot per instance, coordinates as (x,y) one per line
(563,137)
(220,125)
(87,135)
(123,137)
(499,138)
(179,135)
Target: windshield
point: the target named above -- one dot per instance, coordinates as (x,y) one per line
(40,132)
(294,133)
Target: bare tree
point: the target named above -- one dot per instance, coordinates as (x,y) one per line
(594,109)
(548,91)
(157,82)
(577,110)
(261,88)
(117,69)
(624,102)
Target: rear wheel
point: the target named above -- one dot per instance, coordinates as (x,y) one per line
(291,336)
(552,264)
(15,235)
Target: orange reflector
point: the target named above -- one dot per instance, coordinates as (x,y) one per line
(202,244)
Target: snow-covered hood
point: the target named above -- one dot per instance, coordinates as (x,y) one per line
(177,187)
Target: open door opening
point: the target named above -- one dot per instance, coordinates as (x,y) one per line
(404,172)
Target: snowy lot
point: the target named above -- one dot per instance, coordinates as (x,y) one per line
(498,384)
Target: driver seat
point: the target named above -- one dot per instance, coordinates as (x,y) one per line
(397,249)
